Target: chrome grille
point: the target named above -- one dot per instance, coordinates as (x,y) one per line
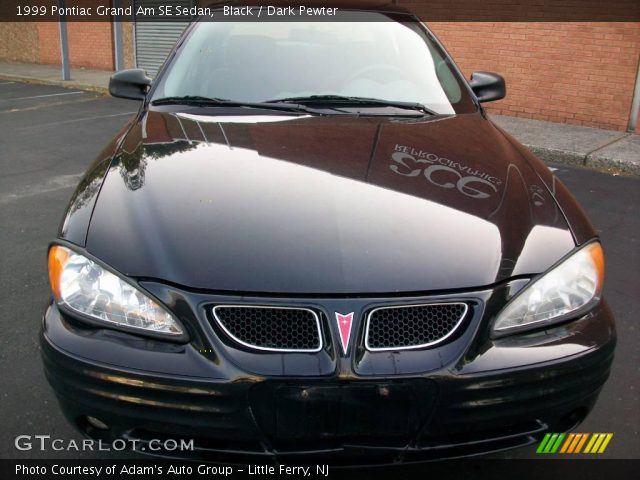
(271,328)
(412,326)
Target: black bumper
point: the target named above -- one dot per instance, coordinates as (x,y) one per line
(549,381)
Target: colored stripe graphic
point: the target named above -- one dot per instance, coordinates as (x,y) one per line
(567,442)
(598,442)
(596,446)
(592,440)
(556,445)
(543,443)
(606,441)
(550,443)
(572,443)
(578,441)
(582,442)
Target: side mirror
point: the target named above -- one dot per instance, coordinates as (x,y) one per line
(132,84)
(488,86)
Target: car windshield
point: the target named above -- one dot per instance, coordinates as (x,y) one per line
(381,59)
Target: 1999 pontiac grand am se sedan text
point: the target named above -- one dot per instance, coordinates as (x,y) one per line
(312,243)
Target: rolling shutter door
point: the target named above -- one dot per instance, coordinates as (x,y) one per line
(154,40)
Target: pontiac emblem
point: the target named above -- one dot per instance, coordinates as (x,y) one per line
(344,327)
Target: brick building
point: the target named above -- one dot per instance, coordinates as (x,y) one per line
(579,72)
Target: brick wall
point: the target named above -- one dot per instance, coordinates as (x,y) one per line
(575,72)
(19,42)
(580,73)
(90,44)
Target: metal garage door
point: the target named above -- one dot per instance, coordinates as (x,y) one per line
(154,40)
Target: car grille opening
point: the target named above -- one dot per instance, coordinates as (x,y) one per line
(277,329)
(412,326)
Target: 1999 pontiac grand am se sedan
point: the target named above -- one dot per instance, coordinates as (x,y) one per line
(312,243)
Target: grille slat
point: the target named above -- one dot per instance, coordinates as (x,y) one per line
(412,326)
(276,329)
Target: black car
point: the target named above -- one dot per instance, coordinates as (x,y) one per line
(311,242)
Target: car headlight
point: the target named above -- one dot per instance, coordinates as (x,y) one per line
(86,287)
(570,286)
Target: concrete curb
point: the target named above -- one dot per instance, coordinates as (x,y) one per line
(592,160)
(552,155)
(622,156)
(614,152)
(70,84)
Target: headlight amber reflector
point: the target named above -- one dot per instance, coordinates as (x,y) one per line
(565,289)
(86,287)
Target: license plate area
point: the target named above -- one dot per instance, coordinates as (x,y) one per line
(331,415)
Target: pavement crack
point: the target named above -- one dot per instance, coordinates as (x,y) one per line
(605,145)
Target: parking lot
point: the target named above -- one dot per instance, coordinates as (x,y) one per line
(48,137)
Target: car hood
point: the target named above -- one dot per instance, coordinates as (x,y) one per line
(323,205)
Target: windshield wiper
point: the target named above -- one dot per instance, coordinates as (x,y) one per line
(194,100)
(364,101)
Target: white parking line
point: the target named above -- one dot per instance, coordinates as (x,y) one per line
(65,122)
(84,119)
(7,83)
(53,184)
(41,96)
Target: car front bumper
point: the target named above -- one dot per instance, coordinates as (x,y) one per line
(498,394)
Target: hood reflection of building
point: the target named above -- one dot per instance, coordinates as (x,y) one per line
(156,142)
(517,202)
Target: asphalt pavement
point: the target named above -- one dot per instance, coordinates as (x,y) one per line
(48,137)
